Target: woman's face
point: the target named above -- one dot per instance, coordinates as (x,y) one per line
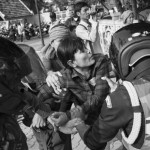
(130,19)
(70,11)
(82,59)
(56,43)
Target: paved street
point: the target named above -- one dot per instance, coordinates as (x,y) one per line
(77,143)
(35,42)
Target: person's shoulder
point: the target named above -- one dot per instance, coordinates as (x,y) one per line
(119,99)
(68,19)
(66,73)
(80,26)
(120,93)
(4,89)
(67,22)
(118,105)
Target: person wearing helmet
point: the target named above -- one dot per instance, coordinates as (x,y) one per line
(127,17)
(127,108)
(14,65)
(19,66)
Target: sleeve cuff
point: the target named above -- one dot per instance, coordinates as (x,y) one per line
(68,115)
(84,109)
(43,114)
(86,134)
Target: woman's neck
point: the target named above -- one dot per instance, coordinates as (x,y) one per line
(84,71)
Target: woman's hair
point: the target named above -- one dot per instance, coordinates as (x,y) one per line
(68,47)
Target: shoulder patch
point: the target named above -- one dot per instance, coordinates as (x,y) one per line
(108,102)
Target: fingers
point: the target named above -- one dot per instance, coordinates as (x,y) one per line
(79,108)
(39,124)
(55,118)
(55,127)
(57,90)
(61,94)
(112,84)
(49,119)
(55,121)
(56,114)
(109,81)
(53,80)
(38,121)
(53,77)
(58,73)
(42,123)
(20,118)
(56,80)
(90,18)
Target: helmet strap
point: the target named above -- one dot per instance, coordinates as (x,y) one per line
(143,66)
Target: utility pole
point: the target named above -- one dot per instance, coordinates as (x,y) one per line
(134,8)
(42,40)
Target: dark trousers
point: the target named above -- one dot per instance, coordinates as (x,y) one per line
(50,140)
(21,37)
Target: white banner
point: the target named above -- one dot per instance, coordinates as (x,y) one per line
(4,24)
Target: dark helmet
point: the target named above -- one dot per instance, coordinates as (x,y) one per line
(37,77)
(130,50)
(13,59)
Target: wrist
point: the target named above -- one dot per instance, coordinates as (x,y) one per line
(79,122)
(68,114)
(80,125)
(49,72)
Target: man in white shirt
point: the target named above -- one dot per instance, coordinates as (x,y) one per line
(53,20)
(87,28)
(20,31)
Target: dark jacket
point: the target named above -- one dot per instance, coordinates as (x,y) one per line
(116,114)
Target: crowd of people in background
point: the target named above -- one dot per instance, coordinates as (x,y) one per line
(124,13)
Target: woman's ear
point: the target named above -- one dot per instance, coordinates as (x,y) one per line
(71,63)
(78,14)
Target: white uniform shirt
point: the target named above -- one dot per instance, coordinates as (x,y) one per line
(20,29)
(90,35)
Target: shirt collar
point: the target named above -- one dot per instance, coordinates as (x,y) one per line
(74,73)
(84,23)
(77,74)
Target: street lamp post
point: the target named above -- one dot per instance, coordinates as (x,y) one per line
(42,40)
